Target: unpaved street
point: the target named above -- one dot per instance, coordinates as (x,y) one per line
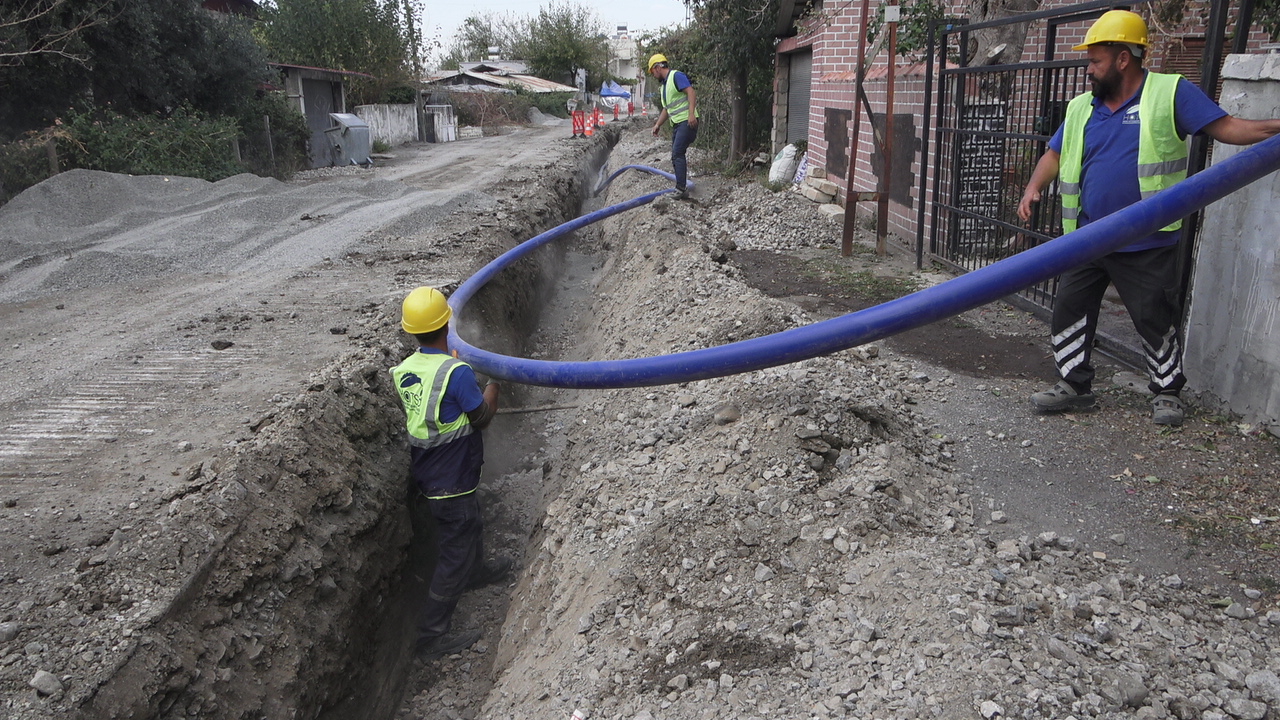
(152,325)
(202,479)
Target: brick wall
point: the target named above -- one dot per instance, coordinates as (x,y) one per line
(834,41)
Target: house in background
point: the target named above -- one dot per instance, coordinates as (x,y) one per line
(490,77)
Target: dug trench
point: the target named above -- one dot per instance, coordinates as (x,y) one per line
(281,575)
(791,542)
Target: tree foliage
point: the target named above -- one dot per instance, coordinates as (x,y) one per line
(729,43)
(478,33)
(557,42)
(562,39)
(378,37)
(134,56)
(1266,14)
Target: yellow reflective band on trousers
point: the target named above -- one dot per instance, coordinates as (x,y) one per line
(420,381)
(675,102)
(1162,155)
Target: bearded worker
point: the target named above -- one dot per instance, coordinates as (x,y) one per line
(1125,141)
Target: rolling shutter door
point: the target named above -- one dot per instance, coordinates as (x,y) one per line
(798,96)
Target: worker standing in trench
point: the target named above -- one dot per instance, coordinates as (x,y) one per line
(1124,141)
(680,107)
(445,410)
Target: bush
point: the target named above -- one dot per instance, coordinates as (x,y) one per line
(552,104)
(486,109)
(285,151)
(186,143)
(24,163)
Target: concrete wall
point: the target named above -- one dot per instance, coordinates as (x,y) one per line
(1233,320)
(392,124)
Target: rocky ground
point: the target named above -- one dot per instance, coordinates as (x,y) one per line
(868,535)
(885,532)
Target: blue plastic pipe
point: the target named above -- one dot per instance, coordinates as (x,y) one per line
(921,308)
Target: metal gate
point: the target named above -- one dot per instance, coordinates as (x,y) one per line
(992,124)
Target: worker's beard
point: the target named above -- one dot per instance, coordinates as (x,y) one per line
(1106,86)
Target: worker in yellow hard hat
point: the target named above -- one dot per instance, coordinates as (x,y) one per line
(445,410)
(680,107)
(1120,143)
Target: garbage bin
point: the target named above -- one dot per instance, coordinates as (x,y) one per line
(350,142)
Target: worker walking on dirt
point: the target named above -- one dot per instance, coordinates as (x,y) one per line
(680,106)
(1123,142)
(445,410)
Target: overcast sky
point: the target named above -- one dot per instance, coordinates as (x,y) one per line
(444,17)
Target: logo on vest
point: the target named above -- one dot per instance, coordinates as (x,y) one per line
(411,388)
(1131,116)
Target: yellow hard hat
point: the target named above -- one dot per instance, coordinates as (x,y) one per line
(657,58)
(1118,26)
(424,310)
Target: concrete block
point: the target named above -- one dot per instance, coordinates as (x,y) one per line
(817,172)
(1252,67)
(815,194)
(822,186)
(470,133)
(832,211)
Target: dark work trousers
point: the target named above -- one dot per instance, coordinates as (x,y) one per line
(459,547)
(682,136)
(1147,281)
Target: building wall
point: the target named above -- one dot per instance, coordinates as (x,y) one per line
(1233,318)
(392,124)
(833,37)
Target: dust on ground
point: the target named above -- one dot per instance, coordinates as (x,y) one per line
(872,534)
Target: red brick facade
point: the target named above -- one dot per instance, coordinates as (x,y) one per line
(833,40)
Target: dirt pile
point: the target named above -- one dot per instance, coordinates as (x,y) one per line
(229,543)
(795,542)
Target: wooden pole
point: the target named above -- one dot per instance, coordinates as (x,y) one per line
(850,195)
(886,175)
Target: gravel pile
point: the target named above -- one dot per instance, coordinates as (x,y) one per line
(794,542)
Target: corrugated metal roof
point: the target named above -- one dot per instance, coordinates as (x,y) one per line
(318,69)
(506,80)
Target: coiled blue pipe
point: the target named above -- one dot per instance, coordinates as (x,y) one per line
(921,308)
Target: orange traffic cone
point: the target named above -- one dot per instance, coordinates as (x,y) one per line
(589,130)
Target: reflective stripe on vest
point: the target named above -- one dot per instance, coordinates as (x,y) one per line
(420,381)
(1162,155)
(675,102)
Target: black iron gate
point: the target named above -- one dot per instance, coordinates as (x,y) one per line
(991,125)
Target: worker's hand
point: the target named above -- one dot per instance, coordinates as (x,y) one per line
(1024,207)
(655,129)
(693,122)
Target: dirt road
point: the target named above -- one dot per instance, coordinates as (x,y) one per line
(201,472)
(153,325)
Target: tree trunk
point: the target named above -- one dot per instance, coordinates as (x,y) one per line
(738,115)
(999,45)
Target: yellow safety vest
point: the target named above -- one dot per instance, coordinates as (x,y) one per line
(675,102)
(1162,155)
(420,380)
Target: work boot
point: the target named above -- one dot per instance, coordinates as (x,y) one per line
(1167,410)
(491,572)
(447,644)
(1062,397)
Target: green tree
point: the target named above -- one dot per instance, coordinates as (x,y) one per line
(376,37)
(479,33)
(135,56)
(733,41)
(560,40)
